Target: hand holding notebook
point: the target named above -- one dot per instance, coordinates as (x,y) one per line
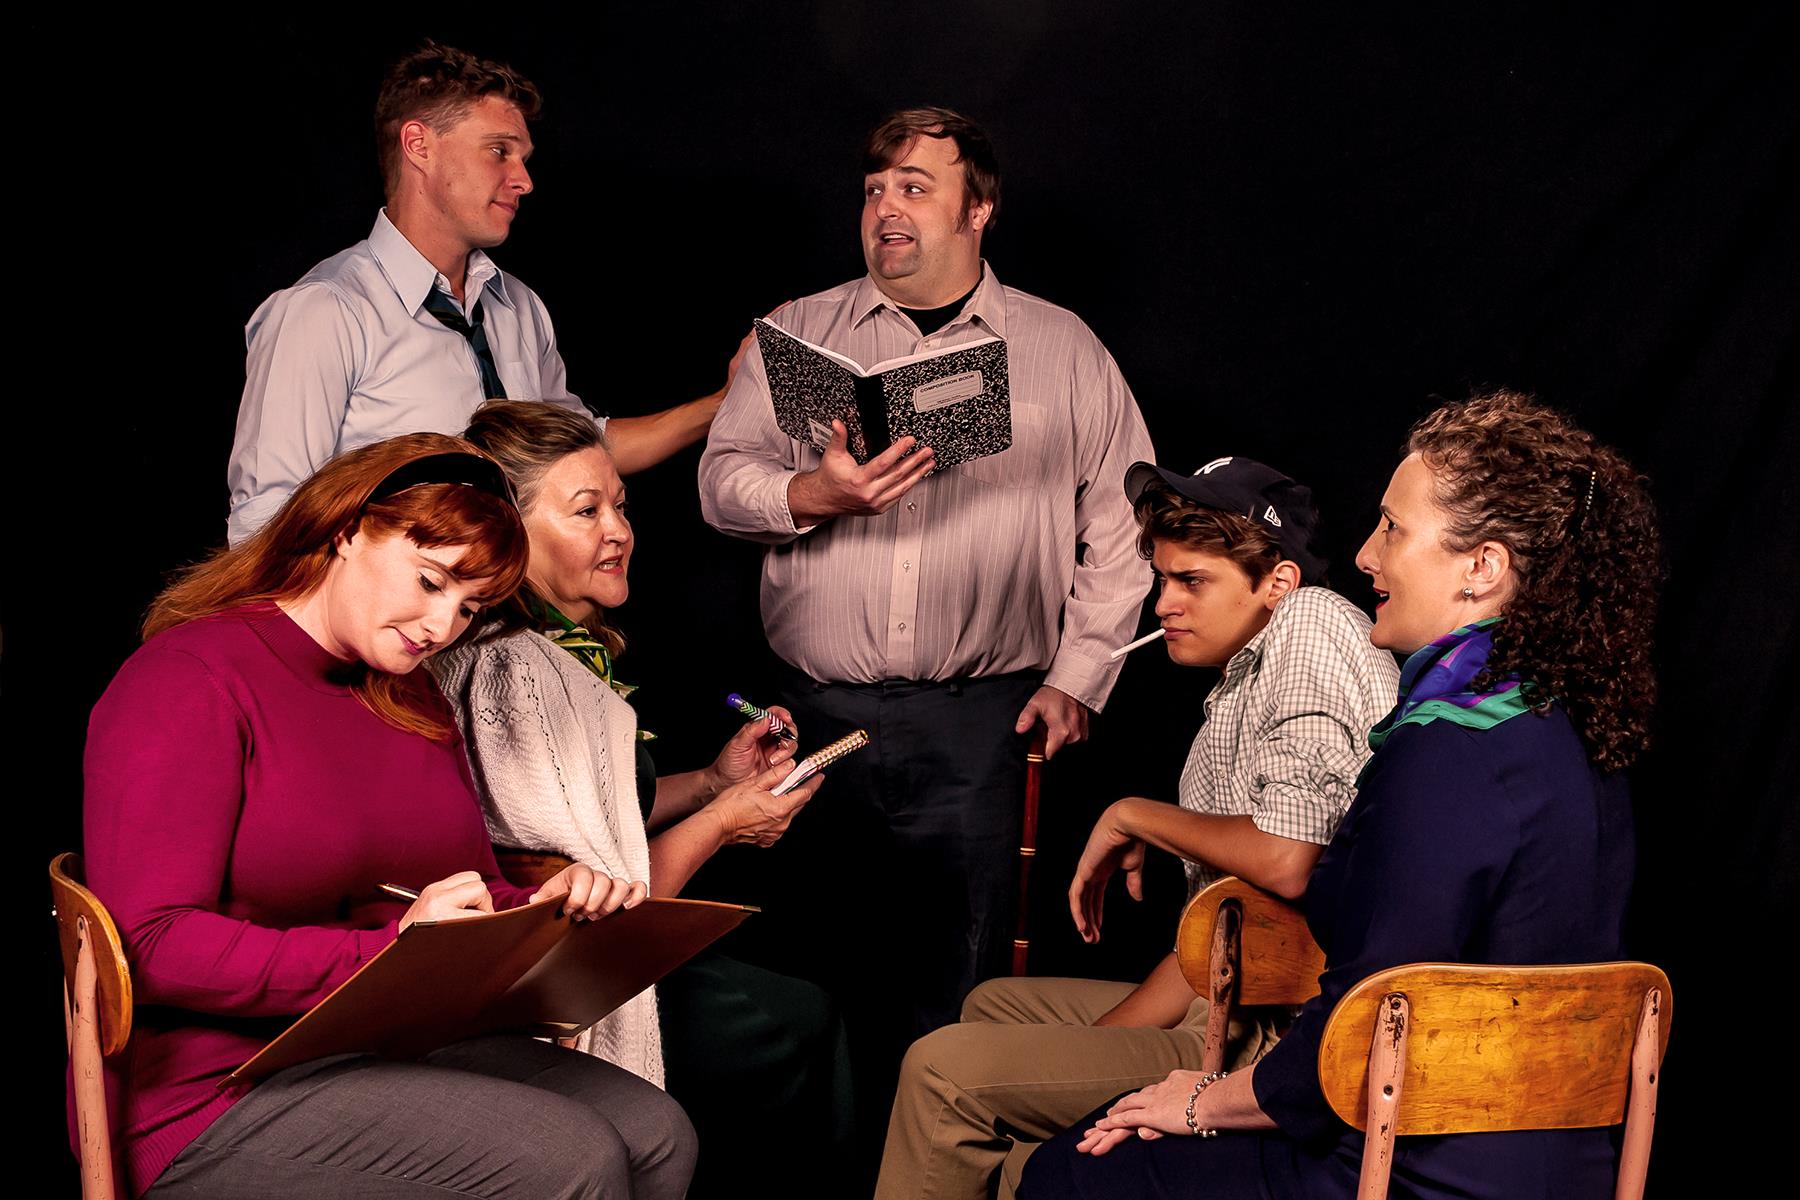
(839,486)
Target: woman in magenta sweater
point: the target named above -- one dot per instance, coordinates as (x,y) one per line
(266,758)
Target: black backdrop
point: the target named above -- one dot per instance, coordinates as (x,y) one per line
(1291,227)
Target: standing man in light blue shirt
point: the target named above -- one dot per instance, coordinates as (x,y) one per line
(411,329)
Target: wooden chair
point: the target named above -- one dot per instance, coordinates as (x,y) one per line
(96,1012)
(532,869)
(1468,1049)
(1239,945)
(529,868)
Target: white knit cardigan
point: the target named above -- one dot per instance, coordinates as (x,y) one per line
(552,750)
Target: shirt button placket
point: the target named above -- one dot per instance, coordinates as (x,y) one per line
(903,592)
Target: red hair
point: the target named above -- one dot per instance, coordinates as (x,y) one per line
(288,558)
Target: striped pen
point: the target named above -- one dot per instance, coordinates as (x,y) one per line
(776,725)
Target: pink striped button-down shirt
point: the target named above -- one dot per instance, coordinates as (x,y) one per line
(1022,560)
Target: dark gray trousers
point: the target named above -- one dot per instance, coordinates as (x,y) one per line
(491,1117)
(895,888)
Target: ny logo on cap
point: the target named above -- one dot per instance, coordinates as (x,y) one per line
(1212,466)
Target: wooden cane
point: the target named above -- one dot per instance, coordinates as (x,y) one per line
(1034,780)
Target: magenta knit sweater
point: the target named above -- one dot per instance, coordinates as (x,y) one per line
(241,806)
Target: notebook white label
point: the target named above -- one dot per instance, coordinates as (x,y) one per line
(942,393)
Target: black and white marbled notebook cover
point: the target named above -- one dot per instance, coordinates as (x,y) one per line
(956,402)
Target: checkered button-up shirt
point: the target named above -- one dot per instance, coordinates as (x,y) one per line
(1286,730)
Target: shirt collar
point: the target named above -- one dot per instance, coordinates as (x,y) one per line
(484,274)
(1238,670)
(411,274)
(988,304)
(1246,659)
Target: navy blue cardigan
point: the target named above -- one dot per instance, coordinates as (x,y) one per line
(1494,846)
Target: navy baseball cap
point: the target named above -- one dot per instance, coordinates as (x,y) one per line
(1248,489)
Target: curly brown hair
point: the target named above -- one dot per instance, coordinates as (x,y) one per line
(1581,528)
(1164,514)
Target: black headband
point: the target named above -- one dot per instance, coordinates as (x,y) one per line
(452,466)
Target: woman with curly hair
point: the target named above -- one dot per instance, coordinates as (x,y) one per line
(1516,562)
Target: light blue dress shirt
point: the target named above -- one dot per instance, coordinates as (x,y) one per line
(349,355)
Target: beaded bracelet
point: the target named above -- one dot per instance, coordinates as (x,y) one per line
(1205,1081)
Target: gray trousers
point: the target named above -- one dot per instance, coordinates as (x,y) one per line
(490,1117)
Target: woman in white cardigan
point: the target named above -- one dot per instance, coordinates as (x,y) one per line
(561,766)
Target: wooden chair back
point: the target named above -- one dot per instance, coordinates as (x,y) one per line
(529,868)
(533,869)
(1438,1048)
(1237,944)
(96,1012)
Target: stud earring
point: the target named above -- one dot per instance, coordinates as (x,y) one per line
(1468,593)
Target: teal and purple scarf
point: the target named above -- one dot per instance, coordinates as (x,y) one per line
(1435,685)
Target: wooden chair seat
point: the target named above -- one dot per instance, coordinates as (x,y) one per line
(529,868)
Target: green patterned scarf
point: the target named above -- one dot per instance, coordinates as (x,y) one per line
(587,649)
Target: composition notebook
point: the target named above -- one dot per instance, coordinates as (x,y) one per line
(955,401)
(524,970)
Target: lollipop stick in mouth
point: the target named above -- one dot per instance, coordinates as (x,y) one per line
(1122,651)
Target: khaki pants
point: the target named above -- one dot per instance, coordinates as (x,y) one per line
(1027,1062)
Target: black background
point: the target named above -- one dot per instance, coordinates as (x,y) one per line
(1292,227)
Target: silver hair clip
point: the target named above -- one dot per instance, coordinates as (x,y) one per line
(1578,520)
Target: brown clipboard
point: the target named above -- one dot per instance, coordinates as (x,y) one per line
(526,970)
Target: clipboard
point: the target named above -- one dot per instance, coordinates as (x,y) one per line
(525,970)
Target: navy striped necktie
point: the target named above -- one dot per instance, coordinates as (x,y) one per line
(441,306)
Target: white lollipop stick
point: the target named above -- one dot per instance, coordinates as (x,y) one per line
(1122,651)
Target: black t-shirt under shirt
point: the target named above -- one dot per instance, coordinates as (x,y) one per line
(930,320)
(646,780)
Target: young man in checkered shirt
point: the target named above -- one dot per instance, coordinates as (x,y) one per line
(1271,773)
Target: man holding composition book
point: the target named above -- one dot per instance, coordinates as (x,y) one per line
(947,591)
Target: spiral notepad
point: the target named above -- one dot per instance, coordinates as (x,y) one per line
(818,760)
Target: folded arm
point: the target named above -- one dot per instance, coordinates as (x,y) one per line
(1232,844)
